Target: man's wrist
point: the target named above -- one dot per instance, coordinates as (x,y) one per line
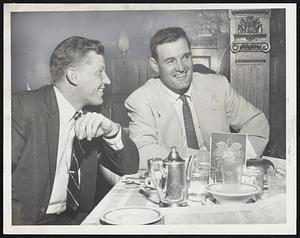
(114,132)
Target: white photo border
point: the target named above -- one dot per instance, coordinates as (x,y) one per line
(288,228)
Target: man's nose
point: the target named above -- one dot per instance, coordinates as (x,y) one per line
(106,79)
(179,66)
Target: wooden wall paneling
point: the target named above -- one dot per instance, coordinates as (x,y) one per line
(273,75)
(277,142)
(125,75)
(119,113)
(143,70)
(249,56)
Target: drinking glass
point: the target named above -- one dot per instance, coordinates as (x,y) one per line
(255,175)
(232,169)
(215,175)
(157,175)
(276,183)
(199,176)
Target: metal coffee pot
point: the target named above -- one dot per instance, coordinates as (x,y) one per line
(173,186)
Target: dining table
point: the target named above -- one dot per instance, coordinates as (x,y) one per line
(269,209)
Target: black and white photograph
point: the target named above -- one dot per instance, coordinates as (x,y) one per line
(110,111)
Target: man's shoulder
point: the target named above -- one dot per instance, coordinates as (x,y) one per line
(208,78)
(40,92)
(149,89)
(33,99)
(212,81)
(150,85)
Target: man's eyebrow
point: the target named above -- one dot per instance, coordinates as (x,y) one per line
(187,54)
(169,58)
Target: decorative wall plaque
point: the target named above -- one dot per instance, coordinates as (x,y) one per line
(250,36)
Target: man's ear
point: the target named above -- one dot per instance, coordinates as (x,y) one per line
(154,64)
(71,76)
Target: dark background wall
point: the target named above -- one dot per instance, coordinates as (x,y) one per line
(34,35)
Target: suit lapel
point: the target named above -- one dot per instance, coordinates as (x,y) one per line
(168,118)
(53,132)
(208,115)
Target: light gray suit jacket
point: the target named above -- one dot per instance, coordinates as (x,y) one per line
(155,127)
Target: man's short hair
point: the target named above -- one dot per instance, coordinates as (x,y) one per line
(71,52)
(166,35)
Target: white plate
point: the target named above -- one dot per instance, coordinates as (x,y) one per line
(242,195)
(131,216)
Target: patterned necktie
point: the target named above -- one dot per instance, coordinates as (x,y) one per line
(191,137)
(73,184)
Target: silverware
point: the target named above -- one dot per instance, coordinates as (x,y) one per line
(134,179)
(148,195)
(132,182)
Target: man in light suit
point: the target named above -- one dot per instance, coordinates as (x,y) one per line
(48,140)
(156,110)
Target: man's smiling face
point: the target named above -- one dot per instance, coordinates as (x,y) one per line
(175,65)
(92,79)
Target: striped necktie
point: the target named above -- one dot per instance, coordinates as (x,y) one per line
(73,184)
(191,137)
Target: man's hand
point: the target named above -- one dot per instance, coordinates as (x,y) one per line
(92,125)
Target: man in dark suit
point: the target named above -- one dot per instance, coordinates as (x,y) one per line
(57,146)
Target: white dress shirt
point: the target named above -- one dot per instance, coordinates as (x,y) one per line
(58,196)
(174,98)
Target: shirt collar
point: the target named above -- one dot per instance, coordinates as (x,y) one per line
(66,110)
(173,97)
(188,93)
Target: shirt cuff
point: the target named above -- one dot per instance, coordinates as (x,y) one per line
(115,143)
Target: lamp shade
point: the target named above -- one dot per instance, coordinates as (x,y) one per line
(123,41)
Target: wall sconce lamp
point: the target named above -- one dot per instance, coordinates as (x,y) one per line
(123,44)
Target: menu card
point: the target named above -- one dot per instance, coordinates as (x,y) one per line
(226,145)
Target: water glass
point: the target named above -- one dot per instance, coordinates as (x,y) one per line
(232,169)
(276,183)
(255,175)
(215,175)
(157,175)
(199,180)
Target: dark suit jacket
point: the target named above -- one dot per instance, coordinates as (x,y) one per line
(35,131)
